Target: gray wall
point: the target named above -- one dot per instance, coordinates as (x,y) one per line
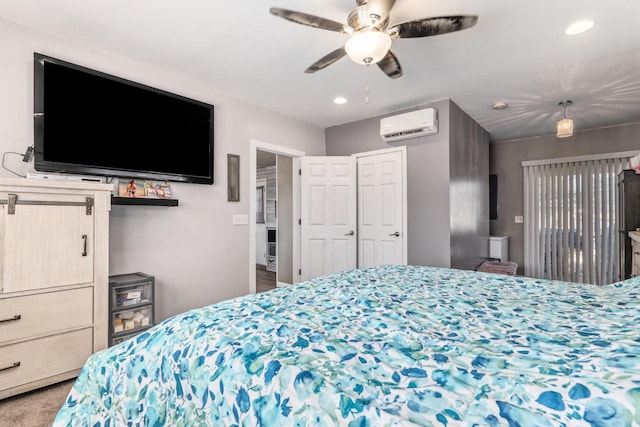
(197,256)
(285,219)
(506,159)
(428,176)
(427,180)
(468,190)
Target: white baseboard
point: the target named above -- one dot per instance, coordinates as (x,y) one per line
(282,285)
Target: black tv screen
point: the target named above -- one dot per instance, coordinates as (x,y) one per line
(92,123)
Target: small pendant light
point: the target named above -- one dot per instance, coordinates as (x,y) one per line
(564,126)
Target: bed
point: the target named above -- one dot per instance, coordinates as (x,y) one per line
(383,346)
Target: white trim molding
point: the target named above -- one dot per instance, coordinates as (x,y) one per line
(585,158)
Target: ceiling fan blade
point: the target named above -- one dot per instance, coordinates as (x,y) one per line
(326,60)
(432,26)
(306,19)
(390,66)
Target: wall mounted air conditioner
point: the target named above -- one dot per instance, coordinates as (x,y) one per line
(409,125)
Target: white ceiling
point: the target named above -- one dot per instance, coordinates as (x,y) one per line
(517,53)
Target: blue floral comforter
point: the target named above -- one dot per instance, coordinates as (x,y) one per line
(386,346)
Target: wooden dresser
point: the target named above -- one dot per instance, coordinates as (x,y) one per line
(635,253)
(54,279)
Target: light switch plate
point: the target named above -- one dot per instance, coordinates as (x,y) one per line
(240,219)
(519,219)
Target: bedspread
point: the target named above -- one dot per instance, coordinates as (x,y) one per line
(384,346)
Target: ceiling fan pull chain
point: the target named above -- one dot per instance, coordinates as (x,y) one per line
(366,97)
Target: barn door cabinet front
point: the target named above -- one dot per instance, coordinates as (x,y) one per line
(53,280)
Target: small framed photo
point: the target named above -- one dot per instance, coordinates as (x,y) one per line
(131,188)
(157,190)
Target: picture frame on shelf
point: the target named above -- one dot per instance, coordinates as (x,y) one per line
(131,188)
(157,190)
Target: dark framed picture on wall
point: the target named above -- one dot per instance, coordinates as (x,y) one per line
(233,178)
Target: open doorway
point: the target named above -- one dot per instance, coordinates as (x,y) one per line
(273,240)
(266,220)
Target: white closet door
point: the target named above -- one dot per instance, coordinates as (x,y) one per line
(380,210)
(328,215)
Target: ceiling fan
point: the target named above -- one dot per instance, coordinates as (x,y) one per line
(370,34)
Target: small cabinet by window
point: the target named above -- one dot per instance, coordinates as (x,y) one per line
(499,248)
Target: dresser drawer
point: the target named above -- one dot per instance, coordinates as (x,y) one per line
(37,359)
(42,314)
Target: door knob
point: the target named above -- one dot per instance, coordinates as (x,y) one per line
(351,233)
(397,234)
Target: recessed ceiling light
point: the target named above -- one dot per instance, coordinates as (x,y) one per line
(340,100)
(499,105)
(579,27)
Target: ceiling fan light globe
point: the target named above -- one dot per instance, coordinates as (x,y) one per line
(368,47)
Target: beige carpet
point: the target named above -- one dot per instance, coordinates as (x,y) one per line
(36,408)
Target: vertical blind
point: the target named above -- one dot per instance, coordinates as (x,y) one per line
(571,210)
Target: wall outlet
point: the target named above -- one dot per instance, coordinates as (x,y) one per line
(519,219)
(240,219)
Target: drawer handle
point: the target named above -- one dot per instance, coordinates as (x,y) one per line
(12,319)
(15,365)
(84,252)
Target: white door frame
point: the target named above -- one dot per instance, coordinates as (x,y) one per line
(254,146)
(262,182)
(403,150)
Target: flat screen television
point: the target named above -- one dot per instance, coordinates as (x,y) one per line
(91,123)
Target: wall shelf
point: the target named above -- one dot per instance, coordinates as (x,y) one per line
(143,201)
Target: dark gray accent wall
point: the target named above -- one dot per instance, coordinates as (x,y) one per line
(468,190)
(505,160)
(429,169)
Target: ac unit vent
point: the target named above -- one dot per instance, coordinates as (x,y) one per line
(409,125)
